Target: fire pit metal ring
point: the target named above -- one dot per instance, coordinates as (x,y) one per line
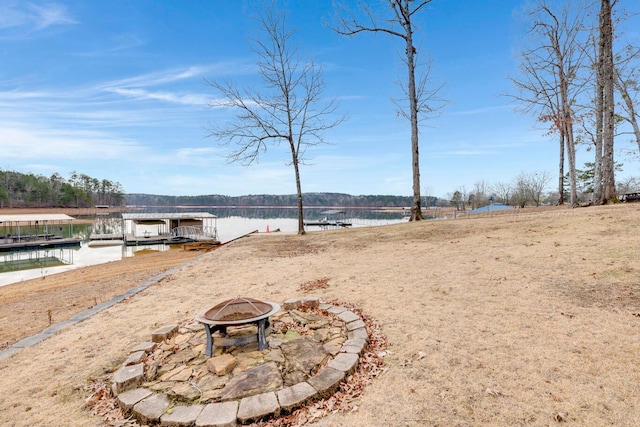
(237,312)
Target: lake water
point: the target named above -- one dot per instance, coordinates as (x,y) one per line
(231,223)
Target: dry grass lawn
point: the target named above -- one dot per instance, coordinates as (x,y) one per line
(527,319)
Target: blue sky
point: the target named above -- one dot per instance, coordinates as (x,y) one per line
(116,90)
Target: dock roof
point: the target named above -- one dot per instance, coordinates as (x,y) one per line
(34,217)
(161,216)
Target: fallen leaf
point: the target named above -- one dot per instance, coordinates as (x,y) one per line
(493,392)
(561,417)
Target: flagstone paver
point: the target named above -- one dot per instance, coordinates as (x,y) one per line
(181,416)
(326,381)
(253,408)
(222,414)
(295,396)
(150,410)
(164,333)
(127,399)
(128,377)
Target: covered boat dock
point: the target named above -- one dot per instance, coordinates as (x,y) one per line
(36,231)
(169,228)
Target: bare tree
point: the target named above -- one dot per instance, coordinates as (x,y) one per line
(521,194)
(430,199)
(549,85)
(622,69)
(627,84)
(536,183)
(606,78)
(292,108)
(503,191)
(459,198)
(399,24)
(596,136)
(628,185)
(480,194)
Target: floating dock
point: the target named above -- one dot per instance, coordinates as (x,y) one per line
(330,220)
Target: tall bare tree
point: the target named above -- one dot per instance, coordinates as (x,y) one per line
(614,72)
(290,109)
(399,24)
(606,77)
(549,85)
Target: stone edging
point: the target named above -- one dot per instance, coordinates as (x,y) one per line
(153,408)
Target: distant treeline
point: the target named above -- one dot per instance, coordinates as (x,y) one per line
(309,200)
(19,190)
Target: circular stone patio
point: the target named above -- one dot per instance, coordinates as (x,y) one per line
(170,381)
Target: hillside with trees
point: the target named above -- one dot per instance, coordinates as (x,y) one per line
(20,190)
(270,200)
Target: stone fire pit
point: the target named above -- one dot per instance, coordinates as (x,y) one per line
(170,380)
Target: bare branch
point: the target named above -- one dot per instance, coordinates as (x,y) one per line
(290,108)
(399,25)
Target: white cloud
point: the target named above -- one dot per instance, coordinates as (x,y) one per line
(22,19)
(189,157)
(119,44)
(49,15)
(140,94)
(481,110)
(26,142)
(158,78)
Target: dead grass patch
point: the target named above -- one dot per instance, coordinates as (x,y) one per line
(314,285)
(527,319)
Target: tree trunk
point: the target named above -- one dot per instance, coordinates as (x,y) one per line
(606,34)
(416,212)
(597,173)
(296,168)
(571,152)
(567,125)
(561,168)
(299,192)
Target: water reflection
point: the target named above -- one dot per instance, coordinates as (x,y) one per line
(263,212)
(38,259)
